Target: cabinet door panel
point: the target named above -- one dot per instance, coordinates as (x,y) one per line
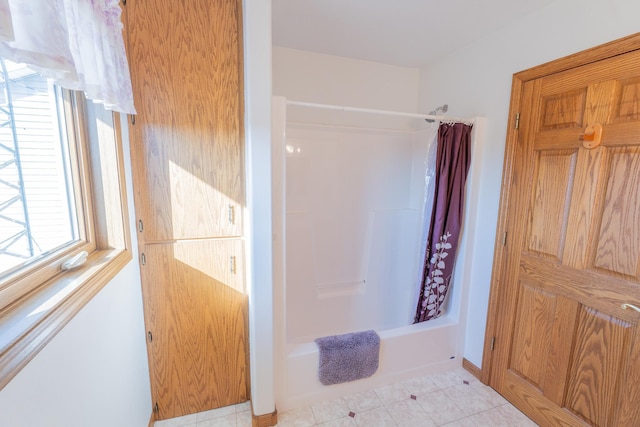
(195,309)
(186,140)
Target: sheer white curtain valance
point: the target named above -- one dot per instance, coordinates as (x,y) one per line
(77,43)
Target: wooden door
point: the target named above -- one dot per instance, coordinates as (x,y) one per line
(567,337)
(187,157)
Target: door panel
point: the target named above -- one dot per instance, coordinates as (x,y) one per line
(629,106)
(564,110)
(585,198)
(185,70)
(535,314)
(618,246)
(550,205)
(573,259)
(195,309)
(602,342)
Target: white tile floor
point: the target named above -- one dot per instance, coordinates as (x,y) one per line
(451,399)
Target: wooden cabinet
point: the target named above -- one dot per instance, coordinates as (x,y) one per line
(188,164)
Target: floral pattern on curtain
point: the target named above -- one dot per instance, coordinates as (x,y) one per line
(453,160)
(77,43)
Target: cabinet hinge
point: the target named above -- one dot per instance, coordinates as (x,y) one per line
(517,121)
(149,336)
(143,259)
(232,264)
(493,342)
(133,118)
(155,408)
(140,226)
(232,214)
(504,238)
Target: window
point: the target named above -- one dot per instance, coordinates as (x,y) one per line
(63,224)
(37,193)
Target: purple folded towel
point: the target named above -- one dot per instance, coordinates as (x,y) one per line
(348,357)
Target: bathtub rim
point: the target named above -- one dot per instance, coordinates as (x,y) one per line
(297,349)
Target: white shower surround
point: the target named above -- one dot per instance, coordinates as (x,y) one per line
(356,277)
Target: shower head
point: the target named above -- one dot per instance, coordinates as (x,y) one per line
(438,111)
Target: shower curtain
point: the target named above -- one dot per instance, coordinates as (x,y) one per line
(452,165)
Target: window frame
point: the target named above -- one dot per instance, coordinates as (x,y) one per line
(22,280)
(38,300)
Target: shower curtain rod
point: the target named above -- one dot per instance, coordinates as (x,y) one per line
(446,119)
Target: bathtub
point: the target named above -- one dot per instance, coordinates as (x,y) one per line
(405,353)
(377,292)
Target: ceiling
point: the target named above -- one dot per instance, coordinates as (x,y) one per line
(408,33)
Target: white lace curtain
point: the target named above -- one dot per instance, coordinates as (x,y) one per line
(77,43)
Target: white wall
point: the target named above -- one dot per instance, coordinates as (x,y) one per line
(257,62)
(476,81)
(94,372)
(314,77)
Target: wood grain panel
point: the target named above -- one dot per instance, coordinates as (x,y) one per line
(535,405)
(602,102)
(471,368)
(619,134)
(585,198)
(595,374)
(187,91)
(519,170)
(592,55)
(562,336)
(629,411)
(619,68)
(195,311)
(615,135)
(532,334)
(629,102)
(586,285)
(265,420)
(618,247)
(549,210)
(563,110)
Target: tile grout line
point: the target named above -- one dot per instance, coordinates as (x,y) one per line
(386,399)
